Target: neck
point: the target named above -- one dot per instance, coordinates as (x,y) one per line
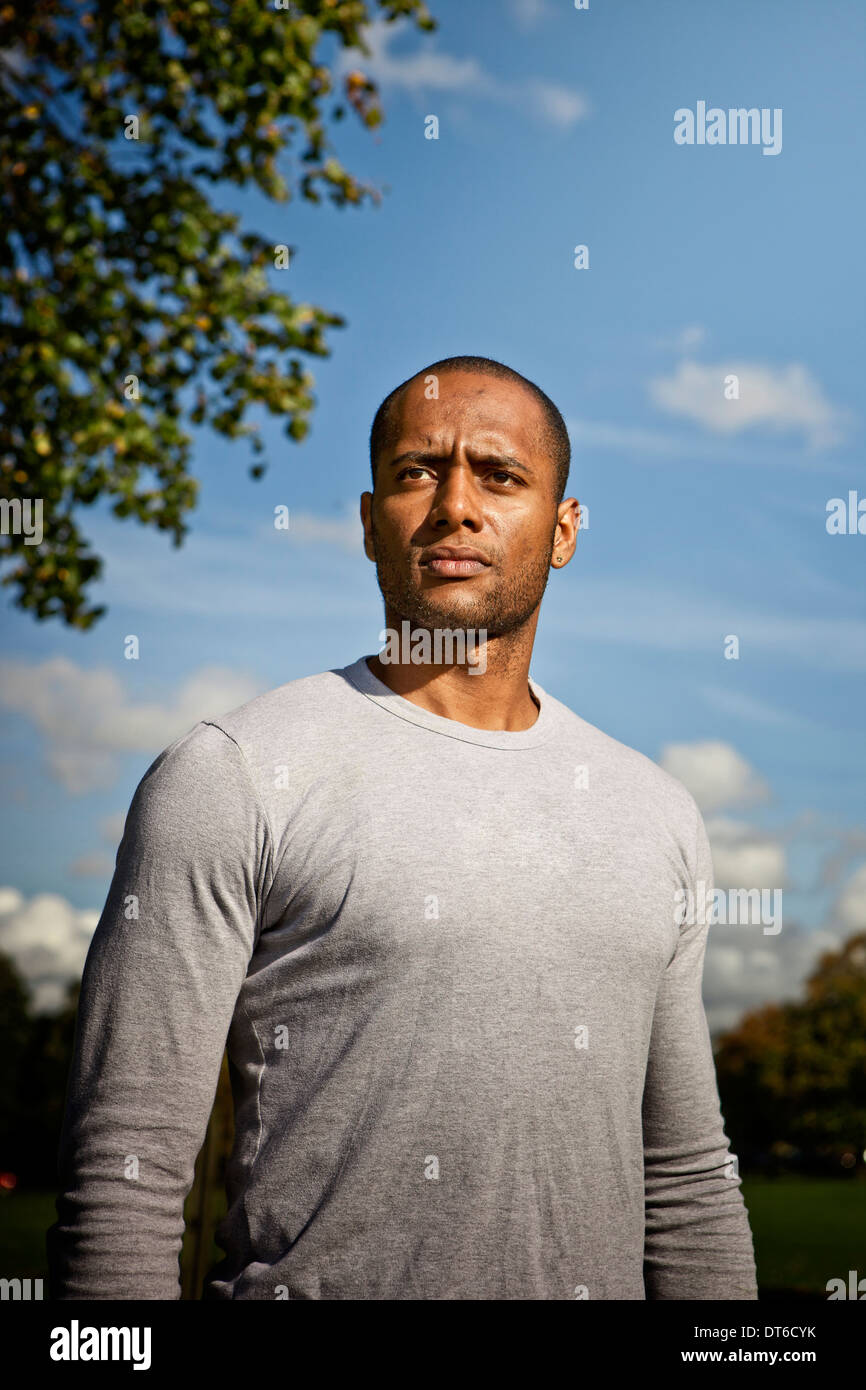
(490,691)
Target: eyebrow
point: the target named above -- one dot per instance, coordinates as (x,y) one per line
(431,456)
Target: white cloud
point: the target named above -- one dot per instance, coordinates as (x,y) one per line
(851,906)
(715,774)
(47,938)
(88,718)
(684,339)
(600,434)
(560,106)
(315,572)
(642,443)
(847,845)
(741,706)
(428,70)
(744,969)
(747,967)
(744,857)
(664,618)
(112,827)
(99,863)
(779,399)
(528,13)
(346,533)
(95,865)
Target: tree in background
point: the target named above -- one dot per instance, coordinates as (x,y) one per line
(794,1074)
(35,1053)
(121,283)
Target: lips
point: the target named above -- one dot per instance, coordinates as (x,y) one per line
(455,569)
(454,562)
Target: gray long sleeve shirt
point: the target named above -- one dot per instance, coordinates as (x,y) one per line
(468,1050)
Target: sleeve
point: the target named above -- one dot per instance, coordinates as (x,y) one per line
(698,1243)
(161,978)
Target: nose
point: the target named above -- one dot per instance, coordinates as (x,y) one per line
(457,500)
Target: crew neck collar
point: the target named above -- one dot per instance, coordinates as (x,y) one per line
(362,678)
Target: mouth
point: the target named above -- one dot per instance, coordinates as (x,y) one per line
(454,569)
(454,563)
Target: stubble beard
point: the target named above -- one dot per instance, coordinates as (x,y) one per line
(505,610)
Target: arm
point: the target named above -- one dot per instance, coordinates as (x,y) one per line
(162,975)
(698,1244)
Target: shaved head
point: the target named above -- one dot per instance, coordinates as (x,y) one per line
(553,443)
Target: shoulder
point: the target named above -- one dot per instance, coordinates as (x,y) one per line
(297,707)
(626,773)
(199,784)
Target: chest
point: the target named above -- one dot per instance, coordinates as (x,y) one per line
(505,872)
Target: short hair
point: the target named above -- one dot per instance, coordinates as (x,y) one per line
(556,434)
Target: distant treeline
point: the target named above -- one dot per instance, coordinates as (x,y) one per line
(792,1077)
(35,1053)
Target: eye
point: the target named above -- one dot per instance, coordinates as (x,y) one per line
(413,468)
(503,473)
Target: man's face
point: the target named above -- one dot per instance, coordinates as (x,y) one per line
(468,470)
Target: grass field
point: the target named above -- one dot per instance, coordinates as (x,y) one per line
(806,1231)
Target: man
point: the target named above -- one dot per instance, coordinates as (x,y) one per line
(434,913)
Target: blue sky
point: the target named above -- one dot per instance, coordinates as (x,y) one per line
(706,517)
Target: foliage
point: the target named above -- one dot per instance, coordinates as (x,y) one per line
(35,1053)
(119,274)
(795,1073)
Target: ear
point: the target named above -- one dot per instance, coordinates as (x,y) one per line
(366,522)
(567,525)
